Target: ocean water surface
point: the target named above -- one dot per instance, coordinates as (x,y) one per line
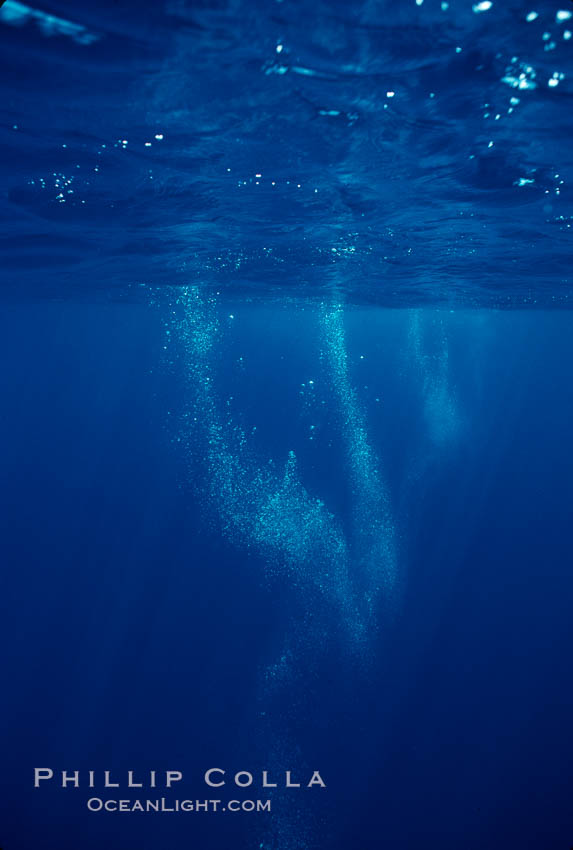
(287,465)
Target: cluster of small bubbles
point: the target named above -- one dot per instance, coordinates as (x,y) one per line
(549,43)
(555,79)
(563,220)
(519,76)
(557,189)
(497,115)
(280,671)
(258,179)
(61,183)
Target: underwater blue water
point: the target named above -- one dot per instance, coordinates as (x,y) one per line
(286,423)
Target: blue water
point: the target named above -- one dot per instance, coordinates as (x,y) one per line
(286,422)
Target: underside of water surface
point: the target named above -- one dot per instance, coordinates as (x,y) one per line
(287,424)
(377,152)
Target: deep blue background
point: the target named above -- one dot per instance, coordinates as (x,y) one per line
(135,628)
(133,634)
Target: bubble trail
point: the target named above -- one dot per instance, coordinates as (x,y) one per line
(258,507)
(440,405)
(373,533)
(341,575)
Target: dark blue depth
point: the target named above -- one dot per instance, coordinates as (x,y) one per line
(231,231)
